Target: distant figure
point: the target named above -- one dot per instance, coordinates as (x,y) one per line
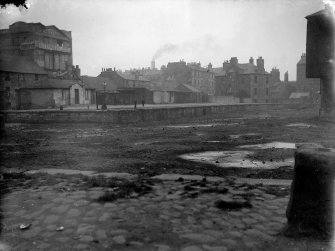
(135,104)
(143,102)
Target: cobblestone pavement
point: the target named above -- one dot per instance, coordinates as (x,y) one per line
(175,215)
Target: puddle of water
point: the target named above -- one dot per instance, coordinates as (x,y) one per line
(146,143)
(215,141)
(190,126)
(53,171)
(203,125)
(301,125)
(281,145)
(228,159)
(236,136)
(64,142)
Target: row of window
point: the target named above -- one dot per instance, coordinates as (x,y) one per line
(255,80)
(201,74)
(21,77)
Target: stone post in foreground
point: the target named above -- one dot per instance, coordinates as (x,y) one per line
(310,211)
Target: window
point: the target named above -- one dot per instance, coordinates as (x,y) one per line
(21,77)
(255,91)
(36,77)
(60,43)
(266,101)
(267,80)
(267,91)
(65,94)
(87,94)
(7,77)
(255,79)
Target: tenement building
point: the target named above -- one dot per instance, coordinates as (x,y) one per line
(247,82)
(48,46)
(191,74)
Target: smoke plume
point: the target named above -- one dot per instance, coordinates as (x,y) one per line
(205,44)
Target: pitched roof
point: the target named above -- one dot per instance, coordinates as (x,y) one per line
(217,69)
(186,88)
(220,74)
(21,24)
(51,83)
(325,12)
(195,67)
(96,83)
(20,64)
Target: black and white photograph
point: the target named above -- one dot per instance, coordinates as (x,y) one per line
(167,125)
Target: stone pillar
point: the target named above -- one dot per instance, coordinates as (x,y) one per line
(310,211)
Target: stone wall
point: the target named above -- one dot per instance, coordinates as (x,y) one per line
(134,116)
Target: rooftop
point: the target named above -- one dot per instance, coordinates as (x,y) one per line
(52,84)
(96,83)
(20,64)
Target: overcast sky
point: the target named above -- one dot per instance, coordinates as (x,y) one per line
(129,33)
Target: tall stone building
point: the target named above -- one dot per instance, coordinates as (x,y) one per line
(48,46)
(247,81)
(191,74)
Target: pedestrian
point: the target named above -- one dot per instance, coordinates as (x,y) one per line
(143,102)
(135,104)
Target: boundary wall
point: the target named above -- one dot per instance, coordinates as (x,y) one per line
(138,115)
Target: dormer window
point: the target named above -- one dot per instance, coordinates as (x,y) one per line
(59,43)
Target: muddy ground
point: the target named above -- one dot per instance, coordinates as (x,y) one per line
(153,148)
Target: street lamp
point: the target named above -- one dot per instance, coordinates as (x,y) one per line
(104,106)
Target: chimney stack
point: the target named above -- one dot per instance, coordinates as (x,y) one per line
(210,66)
(233,61)
(286,76)
(153,65)
(275,73)
(251,60)
(260,63)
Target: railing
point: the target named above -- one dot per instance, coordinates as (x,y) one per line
(32,45)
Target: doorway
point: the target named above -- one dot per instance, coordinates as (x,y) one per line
(76,96)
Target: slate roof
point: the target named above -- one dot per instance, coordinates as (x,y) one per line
(96,83)
(220,74)
(20,64)
(194,67)
(186,88)
(51,84)
(324,12)
(12,28)
(217,69)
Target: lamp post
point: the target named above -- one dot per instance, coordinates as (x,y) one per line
(104,106)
